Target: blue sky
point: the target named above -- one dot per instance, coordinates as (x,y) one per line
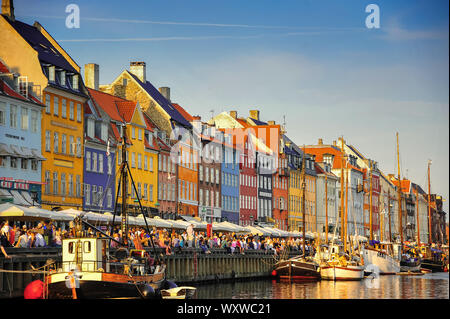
(314,62)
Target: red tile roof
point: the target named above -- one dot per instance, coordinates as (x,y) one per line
(126,109)
(108,103)
(3,68)
(183,112)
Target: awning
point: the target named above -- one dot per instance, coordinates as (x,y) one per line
(17,151)
(18,199)
(5,193)
(37,155)
(5,150)
(27,197)
(27,152)
(18,212)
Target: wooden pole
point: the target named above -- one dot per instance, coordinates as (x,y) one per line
(346,209)
(418,220)
(326,209)
(389,214)
(399,191)
(124,187)
(342,189)
(380,217)
(370,203)
(303,199)
(429,205)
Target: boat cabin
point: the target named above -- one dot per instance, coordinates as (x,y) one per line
(86,253)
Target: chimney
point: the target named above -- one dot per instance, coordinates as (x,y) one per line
(91,75)
(271,122)
(138,69)
(320,141)
(254,114)
(233,114)
(8,9)
(197,118)
(165,91)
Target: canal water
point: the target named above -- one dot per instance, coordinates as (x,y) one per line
(427,286)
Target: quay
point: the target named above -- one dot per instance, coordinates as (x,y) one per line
(189,266)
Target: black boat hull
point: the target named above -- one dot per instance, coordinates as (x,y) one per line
(432,265)
(91,289)
(297,270)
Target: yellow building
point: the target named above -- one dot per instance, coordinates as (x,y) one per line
(142,149)
(54,77)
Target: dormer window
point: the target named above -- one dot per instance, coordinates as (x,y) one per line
(328,158)
(91,128)
(62,77)
(51,73)
(75,81)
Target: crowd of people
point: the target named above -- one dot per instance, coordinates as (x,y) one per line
(46,234)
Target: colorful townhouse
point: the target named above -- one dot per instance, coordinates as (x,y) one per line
(230,180)
(142,151)
(372,190)
(327,202)
(421,224)
(389,209)
(20,148)
(209,171)
(188,148)
(54,77)
(349,198)
(99,160)
(167,175)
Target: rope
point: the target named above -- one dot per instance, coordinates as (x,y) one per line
(24,271)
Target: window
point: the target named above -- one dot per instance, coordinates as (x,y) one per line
(109,165)
(88,161)
(150,192)
(55,183)
(34,121)
(78,112)
(55,106)
(144,195)
(47,103)
(109,197)
(140,134)
(51,74)
(63,184)
(94,162)
(34,164)
(133,132)
(24,118)
(100,163)
(63,108)
(71,110)
(70,186)
(200,196)
(75,82)
(47,182)
(200,173)
(78,147)
(133,159)
(71,145)
(56,142)
(139,161)
(145,162)
(63,143)
(87,194)
(13,116)
(24,163)
(78,186)
(47,141)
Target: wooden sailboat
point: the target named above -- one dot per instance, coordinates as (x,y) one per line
(90,271)
(300,268)
(341,265)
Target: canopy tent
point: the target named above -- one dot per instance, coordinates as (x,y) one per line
(236,228)
(222,227)
(272,232)
(22,213)
(255,231)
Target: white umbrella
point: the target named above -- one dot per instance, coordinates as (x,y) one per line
(18,212)
(55,215)
(255,231)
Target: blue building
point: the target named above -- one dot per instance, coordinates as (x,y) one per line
(20,140)
(99,160)
(230,181)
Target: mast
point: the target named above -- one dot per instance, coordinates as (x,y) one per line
(370,202)
(326,209)
(346,209)
(417,212)
(380,218)
(399,192)
(429,205)
(389,214)
(303,199)
(123,170)
(342,188)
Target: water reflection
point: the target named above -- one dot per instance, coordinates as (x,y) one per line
(428,286)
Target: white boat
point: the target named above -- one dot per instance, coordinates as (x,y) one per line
(383,257)
(341,272)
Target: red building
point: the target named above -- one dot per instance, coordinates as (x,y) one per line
(248,188)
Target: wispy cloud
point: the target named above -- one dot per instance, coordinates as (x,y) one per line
(395,32)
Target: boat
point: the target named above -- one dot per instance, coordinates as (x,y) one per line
(383,255)
(298,268)
(432,259)
(341,266)
(337,264)
(303,267)
(91,270)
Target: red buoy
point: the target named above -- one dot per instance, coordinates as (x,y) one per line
(274,273)
(34,290)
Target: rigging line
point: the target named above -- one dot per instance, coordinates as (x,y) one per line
(104,193)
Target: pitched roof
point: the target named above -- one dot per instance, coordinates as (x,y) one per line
(108,103)
(126,109)
(183,112)
(162,101)
(46,51)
